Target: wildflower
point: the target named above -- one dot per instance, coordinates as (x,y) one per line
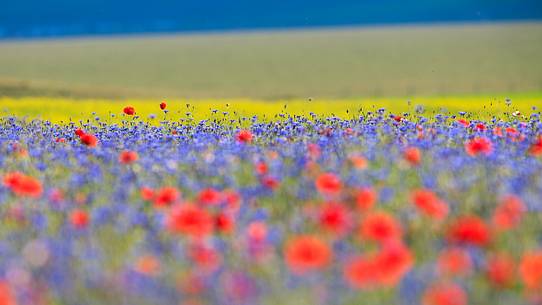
(306,253)
(508,213)
(244,136)
(366,198)
(79,132)
(381,227)
(7,295)
(190,220)
(392,262)
(479,146)
(361,273)
(469,230)
(209,196)
(148,265)
(536,147)
(23,185)
(454,261)
(163,105)
(79,219)
(444,294)
(334,217)
(205,257)
(257,231)
(270,182)
(224,223)
(147,193)
(89,140)
(500,270)
(166,196)
(128,157)
(412,155)
(429,204)
(328,184)
(261,168)
(463,122)
(359,162)
(530,270)
(129,110)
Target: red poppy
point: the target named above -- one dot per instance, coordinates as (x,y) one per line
(454,261)
(314,150)
(147,193)
(128,157)
(413,155)
(209,196)
(500,270)
(328,184)
(361,273)
(469,230)
(166,196)
(392,262)
(366,198)
(261,168)
(244,136)
(536,147)
(306,253)
(509,212)
(79,132)
(257,231)
(480,127)
(430,204)
(79,219)
(335,218)
(148,265)
(60,140)
(381,227)
(224,223)
(7,296)
(463,122)
(129,110)
(479,146)
(444,294)
(163,105)
(232,200)
(530,270)
(89,140)
(205,257)
(23,185)
(397,118)
(270,182)
(359,162)
(190,220)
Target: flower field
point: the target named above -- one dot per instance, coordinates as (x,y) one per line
(409,205)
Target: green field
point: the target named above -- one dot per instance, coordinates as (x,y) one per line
(446,60)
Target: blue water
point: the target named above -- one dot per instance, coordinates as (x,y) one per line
(45,18)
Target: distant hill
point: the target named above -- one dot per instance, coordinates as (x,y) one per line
(38,18)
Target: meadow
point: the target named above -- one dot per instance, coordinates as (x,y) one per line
(406,61)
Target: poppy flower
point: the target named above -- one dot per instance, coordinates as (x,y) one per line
(209,196)
(454,261)
(429,204)
(166,196)
(261,168)
(89,140)
(79,132)
(500,270)
(366,198)
(469,230)
(205,257)
(190,220)
(361,273)
(536,147)
(381,227)
(393,261)
(79,219)
(148,265)
(313,150)
(7,296)
(224,223)
(306,253)
(129,110)
(413,156)
(335,218)
(480,127)
(128,157)
(328,184)
(463,122)
(530,270)
(508,213)
(257,231)
(232,200)
(479,146)
(359,162)
(270,182)
(146,193)
(244,136)
(444,294)
(23,185)
(163,105)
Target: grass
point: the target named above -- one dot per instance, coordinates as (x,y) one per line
(64,109)
(447,60)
